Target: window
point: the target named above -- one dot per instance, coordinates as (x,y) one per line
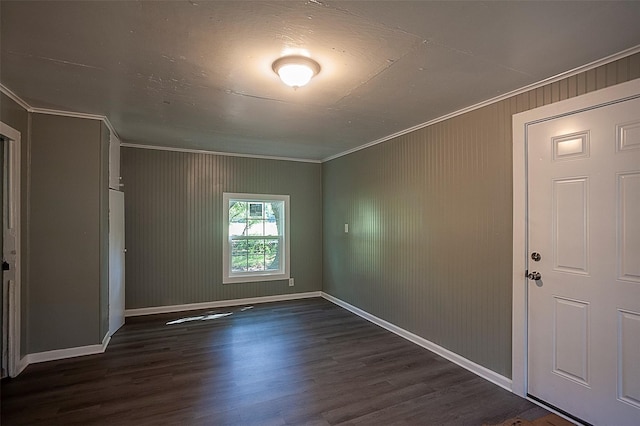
(256,237)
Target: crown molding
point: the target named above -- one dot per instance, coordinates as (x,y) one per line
(226,154)
(67,113)
(4,89)
(106,121)
(17,99)
(553,79)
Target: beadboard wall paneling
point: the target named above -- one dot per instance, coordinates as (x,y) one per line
(430,223)
(173,221)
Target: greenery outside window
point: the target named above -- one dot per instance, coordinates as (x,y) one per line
(256,235)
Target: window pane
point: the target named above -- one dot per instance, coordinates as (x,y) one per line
(238,214)
(239,255)
(255,255)
(247,255)
(274,212)
(256,210)
(272,255)
(255,227)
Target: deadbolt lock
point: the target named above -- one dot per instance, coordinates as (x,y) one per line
(536,256)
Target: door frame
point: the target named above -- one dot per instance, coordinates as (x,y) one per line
(12,160)
(521,121)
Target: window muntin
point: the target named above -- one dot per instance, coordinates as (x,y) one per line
(256,237)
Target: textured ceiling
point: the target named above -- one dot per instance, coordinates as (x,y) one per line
(197,74)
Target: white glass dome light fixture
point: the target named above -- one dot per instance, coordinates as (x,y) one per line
(296,71)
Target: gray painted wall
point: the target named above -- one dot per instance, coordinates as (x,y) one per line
(64,220)
(64,230)
(17,117)
(430,215)
(173,212)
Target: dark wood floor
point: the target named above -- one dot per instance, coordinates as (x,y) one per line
(298,362)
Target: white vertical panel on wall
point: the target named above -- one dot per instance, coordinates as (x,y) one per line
(114,162)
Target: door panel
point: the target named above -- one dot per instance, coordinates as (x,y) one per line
(628,136)
(571,340)
(629,357)
(628,232)
(570,225)
(583,219)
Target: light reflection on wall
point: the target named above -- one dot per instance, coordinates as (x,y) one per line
(366,239)
(379,232)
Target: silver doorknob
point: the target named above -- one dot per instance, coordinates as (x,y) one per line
(534,276)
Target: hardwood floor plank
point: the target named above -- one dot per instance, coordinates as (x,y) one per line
(285,363)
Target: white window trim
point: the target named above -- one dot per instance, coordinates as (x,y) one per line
(227,277)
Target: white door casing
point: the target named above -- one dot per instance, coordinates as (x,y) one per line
(582,318)
(116,261)
(582,176)
(11,244)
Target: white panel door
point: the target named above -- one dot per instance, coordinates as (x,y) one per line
(11,248)
(116,260)
(584,222)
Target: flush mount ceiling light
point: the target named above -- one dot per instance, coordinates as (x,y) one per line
(296,71)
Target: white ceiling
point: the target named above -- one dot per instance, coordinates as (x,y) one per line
(197,74)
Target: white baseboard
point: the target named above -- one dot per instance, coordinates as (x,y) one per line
(218,304)
(477,369)
(67,353)
(105,341)
(100,348)
(22,364)
(463,362)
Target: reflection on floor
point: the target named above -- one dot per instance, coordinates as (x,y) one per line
(206,316)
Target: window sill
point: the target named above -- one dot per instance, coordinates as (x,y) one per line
(254,278)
